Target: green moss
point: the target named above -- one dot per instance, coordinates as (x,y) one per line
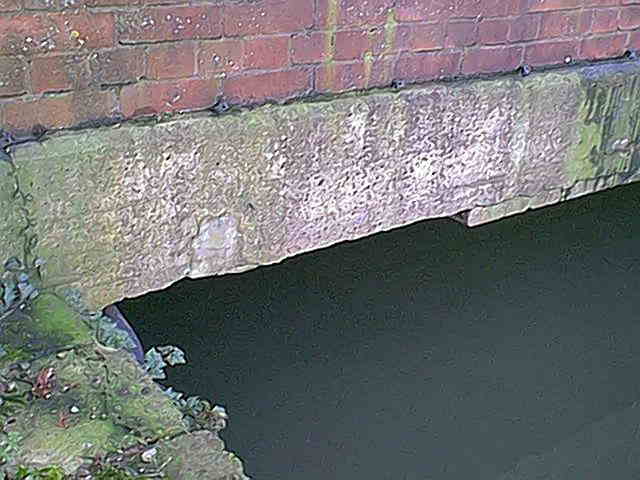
(54,318)
(111,473)
(47,473)
(71,441)
(609,124)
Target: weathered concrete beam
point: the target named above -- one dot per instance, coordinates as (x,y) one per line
(142,206)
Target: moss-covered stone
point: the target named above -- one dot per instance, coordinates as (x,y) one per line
(65,397)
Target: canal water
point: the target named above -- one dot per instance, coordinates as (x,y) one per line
(507,351)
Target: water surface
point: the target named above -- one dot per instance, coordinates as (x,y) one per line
(510,350)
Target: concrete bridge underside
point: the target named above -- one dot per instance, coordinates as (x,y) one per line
(119,211)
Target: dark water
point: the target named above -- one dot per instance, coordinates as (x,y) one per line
(510,350)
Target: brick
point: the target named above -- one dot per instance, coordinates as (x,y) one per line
(605,20)
(469,8)
(58,73)
(269,16)
(72,48)
(9,5)
(604,47)
(60,111)
(50,5)
(354,44)
(359,13)
(585,21)
(27,34)
(550,53)
(419,37)
(118,66)
(492,60)
(12,76)
(59,5)
(145,98)
(256,88)
(601,3)
(341,77)
(84,29)
(92,104)
(630,18)
(310,48)
(353,13)
(112,3)
(462,33)
(345,76)
(493,31)
(425,11)
(160,2)
(381,72)
(548,5)
(222,56)
(484,8)
(559,24)
(500,8)
(171,60)
(170,23)
(526,27)
(266,53)
(420,67)
(22,115)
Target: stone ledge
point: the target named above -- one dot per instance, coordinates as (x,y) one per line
(141,206)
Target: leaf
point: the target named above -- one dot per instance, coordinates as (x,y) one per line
(114,337)
(172,355)
(194,401)
(176,357)
(154,364)
(173,394)
(13,264)
(38,262)
(9,296)
(25,289)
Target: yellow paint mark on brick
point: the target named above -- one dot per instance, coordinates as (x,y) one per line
(368,63)
(333,9)
(390,29)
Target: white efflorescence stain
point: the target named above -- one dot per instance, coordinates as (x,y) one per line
(214,246)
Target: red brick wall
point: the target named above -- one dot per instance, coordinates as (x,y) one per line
(69,62)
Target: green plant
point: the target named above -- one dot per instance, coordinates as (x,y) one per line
(9,445)
(112,473)
(48,473)
(158,358)
(19,283)
(107,332)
